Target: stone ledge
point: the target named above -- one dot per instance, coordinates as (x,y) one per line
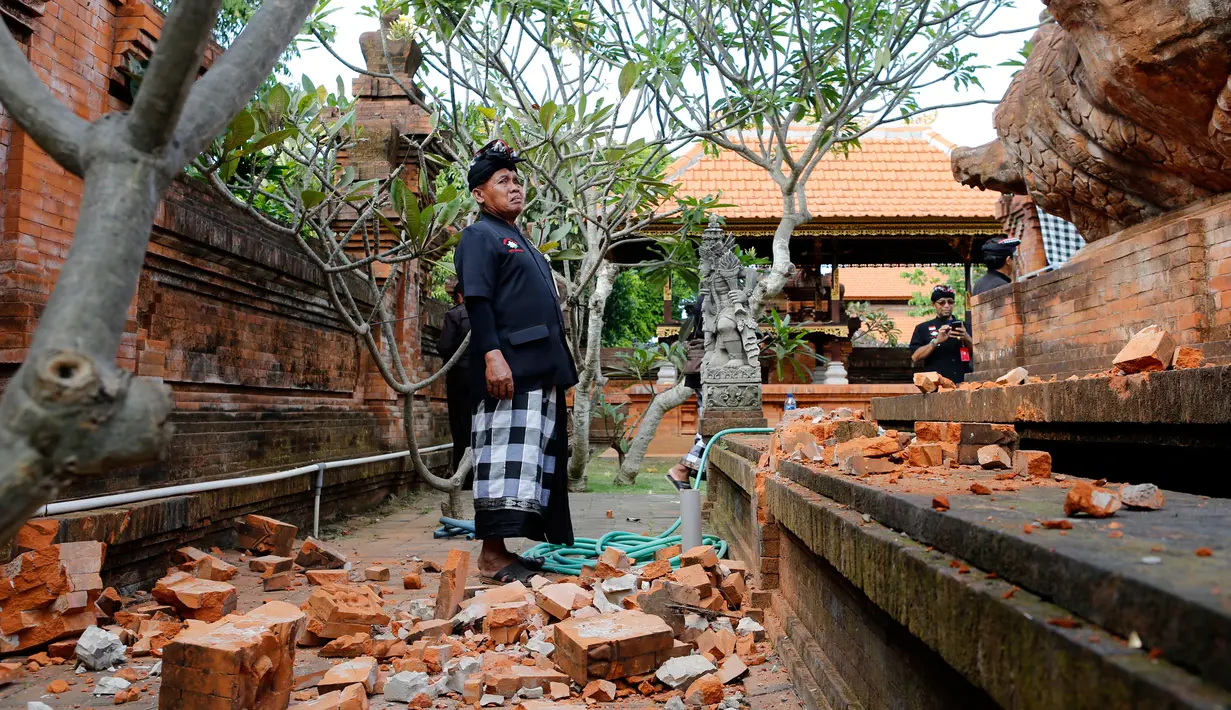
(1198,396)
(1084,572)
(1004,646)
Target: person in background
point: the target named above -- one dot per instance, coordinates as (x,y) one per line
(998,257)
(693,337)
(942,344)
(457,381)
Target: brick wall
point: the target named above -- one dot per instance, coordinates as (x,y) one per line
(1174,271)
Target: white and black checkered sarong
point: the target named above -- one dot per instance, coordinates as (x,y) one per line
(512,465)
(1060,239)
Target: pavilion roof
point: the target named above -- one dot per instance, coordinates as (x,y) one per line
(898,173)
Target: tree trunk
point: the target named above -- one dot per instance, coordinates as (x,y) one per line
(662,403)
(69,410)
(451,485)
(587,377)
(772,282)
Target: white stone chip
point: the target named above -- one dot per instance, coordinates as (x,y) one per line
(110,685)
(403,686)
(489,700)
(679,672)
(98,649)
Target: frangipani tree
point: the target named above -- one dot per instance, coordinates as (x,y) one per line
(813,76)
(70,410)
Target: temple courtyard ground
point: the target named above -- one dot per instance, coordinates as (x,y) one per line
(394,535)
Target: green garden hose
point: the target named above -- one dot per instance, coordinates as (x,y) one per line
(569,559)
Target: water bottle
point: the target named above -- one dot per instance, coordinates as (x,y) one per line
(790,402)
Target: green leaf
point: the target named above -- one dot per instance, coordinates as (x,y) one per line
(393,228)
(546,248)
(546,112)
(312,198)
(279,100)
(227,171)
(268,140)
(628,78)
(488,113)
(239,131)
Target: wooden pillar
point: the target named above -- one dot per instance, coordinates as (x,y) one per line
(668,306)
(835,289)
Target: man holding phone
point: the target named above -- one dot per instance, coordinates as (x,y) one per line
(942,344)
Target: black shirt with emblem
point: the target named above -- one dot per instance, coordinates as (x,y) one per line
(512,300)
(947,357)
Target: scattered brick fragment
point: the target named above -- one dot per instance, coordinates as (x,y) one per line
(1057,524)
(352,697)
(278,581)
(1149,350)
(49,593)
(940,503)
(348,647)
(259,533)
(1144,496)
(200,599)
(362,670)
(703,555)
(318,577)
(994,457)
(1187,358)
(377,573)
(340,610)
(603,691)
(314,554)
(980,490)
(612,646)
(1064,622)
(36,534)
(412,581)
(1204,552)
(238,662)
(559,600)
(271,564)
(706,690)
(1032,464)
(929,382)
(1098,502)
(452,583)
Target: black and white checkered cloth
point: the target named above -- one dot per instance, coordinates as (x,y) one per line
(510,443)
(692,459)
(1060,238)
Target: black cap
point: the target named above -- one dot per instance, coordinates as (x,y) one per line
(490,159)
(1001,246)
(942,291)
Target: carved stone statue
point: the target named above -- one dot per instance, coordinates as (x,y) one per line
(1122,112)
(731,369)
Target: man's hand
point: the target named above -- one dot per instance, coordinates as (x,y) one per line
(959,330)
(499,376)
(943,334)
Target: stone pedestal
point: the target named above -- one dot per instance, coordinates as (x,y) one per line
(667,375)
(835,374)
(732,398)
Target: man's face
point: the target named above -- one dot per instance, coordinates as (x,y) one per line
(502,194)
(944,307)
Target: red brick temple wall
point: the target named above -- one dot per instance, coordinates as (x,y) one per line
(1174,271)
(264,376)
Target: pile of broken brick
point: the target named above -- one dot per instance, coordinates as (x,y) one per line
(684,637)
(941,458)
(1151,349)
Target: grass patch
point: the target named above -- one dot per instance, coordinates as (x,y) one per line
(602,473)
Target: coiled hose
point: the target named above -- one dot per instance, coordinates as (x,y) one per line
(569,559)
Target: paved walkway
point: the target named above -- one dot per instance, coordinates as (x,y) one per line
(393,540)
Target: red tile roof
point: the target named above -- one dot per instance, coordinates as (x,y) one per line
(880,283)
(900,172)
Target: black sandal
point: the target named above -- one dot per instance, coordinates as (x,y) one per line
(534,564)
(513,572)
(679,485)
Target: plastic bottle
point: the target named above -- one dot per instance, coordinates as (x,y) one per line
(790,402)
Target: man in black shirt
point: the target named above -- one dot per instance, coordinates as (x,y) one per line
(998,257)
(520,370)
(942,344)
(457,382)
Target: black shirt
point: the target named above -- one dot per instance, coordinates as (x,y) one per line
(989,281)
(512,301)
(947,357)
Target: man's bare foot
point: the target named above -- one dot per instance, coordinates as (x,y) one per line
(494,557)
(679,473)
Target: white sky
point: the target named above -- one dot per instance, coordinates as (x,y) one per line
(971,125)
